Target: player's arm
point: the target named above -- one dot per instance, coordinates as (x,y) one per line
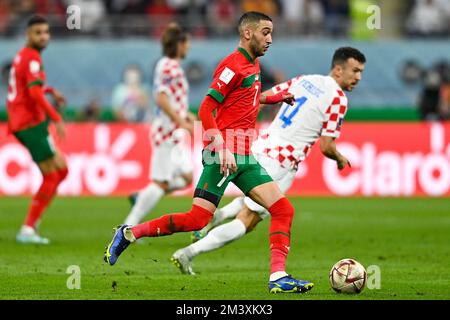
(268,97)
(329,150)
(331,130)
(278,93)
(57,95)
(35,86)
(163,102)
(225,79)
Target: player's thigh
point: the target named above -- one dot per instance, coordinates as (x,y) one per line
(266,194)
(255,182)
(40,144)
(210,185)
(250,174)
(283,177)
(57,162)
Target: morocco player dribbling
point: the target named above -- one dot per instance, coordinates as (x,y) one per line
(27,120)
(236,94)
(318,113)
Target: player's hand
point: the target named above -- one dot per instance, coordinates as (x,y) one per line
(342,162)
(59,98)
(288,98)
(282,96)
(191,117)
(60,130)
(227,162)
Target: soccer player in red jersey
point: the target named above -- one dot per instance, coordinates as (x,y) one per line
(28,109)
(235,95)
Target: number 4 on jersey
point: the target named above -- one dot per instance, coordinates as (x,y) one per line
(286,117)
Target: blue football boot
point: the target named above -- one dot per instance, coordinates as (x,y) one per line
(117,245)
(288,284)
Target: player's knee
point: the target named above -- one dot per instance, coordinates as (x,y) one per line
(282,208)
(200,217)
(63,173)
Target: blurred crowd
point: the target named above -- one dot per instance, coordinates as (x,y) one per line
(217,18)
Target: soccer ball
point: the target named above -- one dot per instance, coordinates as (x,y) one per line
(348,276)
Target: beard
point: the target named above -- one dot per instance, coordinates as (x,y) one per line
(256,50)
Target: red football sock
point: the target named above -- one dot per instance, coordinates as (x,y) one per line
(282,213)
(42,198)
(62,174)
(193,220)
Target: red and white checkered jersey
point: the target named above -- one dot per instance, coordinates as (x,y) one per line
(169,78)
(319,109)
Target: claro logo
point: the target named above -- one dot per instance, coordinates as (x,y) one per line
(390,173)
(99,171)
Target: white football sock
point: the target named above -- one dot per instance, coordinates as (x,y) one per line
(128,234)
(27,231)
(227,212)
(218,237)
(277,275)
(146,200)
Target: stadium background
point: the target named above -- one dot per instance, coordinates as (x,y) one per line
(406,80)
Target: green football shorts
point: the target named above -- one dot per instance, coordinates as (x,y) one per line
(38,141)
(211,185)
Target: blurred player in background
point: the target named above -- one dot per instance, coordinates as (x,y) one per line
(171,167)
(318,112)
(28,109)
(235,93)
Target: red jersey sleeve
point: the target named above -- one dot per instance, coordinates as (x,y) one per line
(225,79)
(34,73)
(334,115)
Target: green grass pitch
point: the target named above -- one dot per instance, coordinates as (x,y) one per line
(409,239)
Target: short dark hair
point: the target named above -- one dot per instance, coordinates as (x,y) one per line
(342,54)
(172,35)
(36,19)
(252,17)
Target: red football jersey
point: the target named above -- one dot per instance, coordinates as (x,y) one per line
(26,71)
(237,87)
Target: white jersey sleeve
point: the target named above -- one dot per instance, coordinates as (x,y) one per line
(319,109)
(334,115)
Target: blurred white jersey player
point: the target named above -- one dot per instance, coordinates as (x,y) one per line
(171,167)
(318,112)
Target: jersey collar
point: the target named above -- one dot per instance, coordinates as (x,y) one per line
(246,54)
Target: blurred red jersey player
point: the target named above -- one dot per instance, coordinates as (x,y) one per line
(27,120)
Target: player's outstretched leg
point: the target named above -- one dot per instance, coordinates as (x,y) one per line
(195,219)
(229,211)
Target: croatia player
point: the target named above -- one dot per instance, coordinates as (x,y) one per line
(171,167)
(318,112)
(236,94)
(27,120)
